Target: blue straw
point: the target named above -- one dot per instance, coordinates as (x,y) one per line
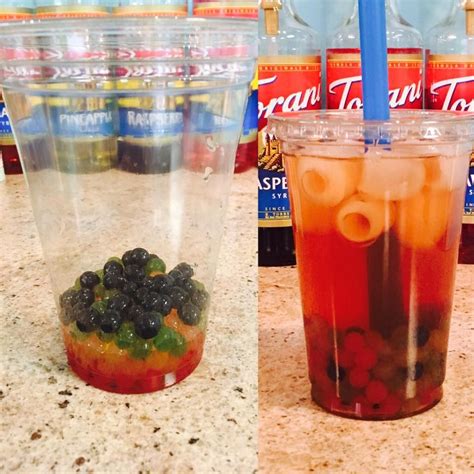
(373,46)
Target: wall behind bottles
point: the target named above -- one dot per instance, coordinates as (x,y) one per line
(326,15)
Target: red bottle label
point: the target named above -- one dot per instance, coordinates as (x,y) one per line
(450,83)
(285,84)
(344,78)
(215,8)
(288,84)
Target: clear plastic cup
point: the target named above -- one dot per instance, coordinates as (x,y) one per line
(115,236)
(377,227)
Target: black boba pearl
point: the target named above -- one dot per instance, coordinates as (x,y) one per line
(127,257)
(69,298)
(148,325)
(148,283)
(162,283)
(110,321)
(415,372)
(129,288)
(166,305)
(200,298)
(134,273)
(178,297)
(187,285)
(119,303)
(114,280)
(141,294)
(89,280)
(189,314)
(134,312)
(89,320)
(152,301)
(86,296)
(422,336)
(140,257)
(79,310)
(185,269)
(176,275)
(113,267)
(334,372)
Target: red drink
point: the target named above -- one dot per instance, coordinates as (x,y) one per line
(376,237)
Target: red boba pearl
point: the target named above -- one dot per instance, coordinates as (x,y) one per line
(354,342)
(366,358)
(376,391)
(359,378)
(345,359)
(390,406)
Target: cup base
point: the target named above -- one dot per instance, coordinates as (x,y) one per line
(130,384)
(363,411)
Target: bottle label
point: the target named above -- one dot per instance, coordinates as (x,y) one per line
(469,205)
(450,86)
(6,135)
(71,11)
(450,83)
(250,128)
(152,10)
(226,9)
(344,78)
(72,124)
(142,123)
(286,84)
(14,13)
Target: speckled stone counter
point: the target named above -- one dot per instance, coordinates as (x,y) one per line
(297,436)
(52,422)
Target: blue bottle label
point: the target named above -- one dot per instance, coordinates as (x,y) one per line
(273,198)
(78,124)
(250,128)
(469,204)
(142,123)
(5,126)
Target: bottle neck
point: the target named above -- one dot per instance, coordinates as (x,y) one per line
(391,10)
(274,11)
(468,6)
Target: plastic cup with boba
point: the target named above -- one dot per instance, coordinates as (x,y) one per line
(129,233)
(377,230)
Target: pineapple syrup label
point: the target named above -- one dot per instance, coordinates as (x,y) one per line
(450,86)
(217,8)
(286,84)
(344,79)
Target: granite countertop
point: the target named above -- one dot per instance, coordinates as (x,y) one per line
(297,436)
(52,422)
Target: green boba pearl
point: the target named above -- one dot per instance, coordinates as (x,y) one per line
(179,348)
(140,349)
(126,336)
(155,264)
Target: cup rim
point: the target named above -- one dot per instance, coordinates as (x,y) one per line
(111,25)
(332,125)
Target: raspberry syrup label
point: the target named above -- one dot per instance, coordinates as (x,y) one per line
(286,84)
(450,83)
(344,78)
(226,9)
(450,86)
